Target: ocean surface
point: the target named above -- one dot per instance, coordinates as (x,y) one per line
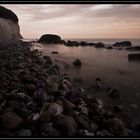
(112,66)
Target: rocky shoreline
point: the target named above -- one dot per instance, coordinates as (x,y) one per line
(38,100)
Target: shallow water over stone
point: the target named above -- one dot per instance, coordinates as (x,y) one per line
(112,66)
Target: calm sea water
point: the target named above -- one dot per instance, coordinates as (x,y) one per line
(103,63)
(135,41)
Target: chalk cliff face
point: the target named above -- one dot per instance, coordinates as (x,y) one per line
(9,28)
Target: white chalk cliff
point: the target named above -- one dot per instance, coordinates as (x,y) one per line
(9,28)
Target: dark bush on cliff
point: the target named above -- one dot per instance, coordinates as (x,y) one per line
(8,14)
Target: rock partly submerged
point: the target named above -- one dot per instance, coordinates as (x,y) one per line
(50,39)
(123,43)
(134,56)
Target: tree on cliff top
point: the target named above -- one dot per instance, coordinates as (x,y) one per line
(8,14)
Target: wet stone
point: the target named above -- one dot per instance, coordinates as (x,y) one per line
(10,120)
(77,62)
(66,124)
(85,123)
(50,110)
(116,127)
(113,92)
(48,130)
(103,133)
(24,133)
(30,88)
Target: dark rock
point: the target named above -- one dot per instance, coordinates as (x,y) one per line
(103,133)
(48,60)
(50,110)
(10,120)
(6,133)
(118,109)
(94,105)
(85,133)
(113,92)
(83,122)
(99,120)
(109,47)
(77,80)
(91,44)
(116,127)
(123,43)
(67,106)
(54,52)
(100,45)
(72,43)
(24,133)
(83,43)
(59,94)
(30,88)
(13,103)
(19,96)
(98,79)
(66,125)
(1,98)
(48,130)
(23,112)
(133,48)
(27,78)
(126,118)
(40,95)
(77,62)
(65,85)
(50,38)
(134,56)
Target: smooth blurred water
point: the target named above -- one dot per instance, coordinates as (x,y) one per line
(134,41)
(112,66)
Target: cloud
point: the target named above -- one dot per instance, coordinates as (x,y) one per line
(78,19)
(54,11)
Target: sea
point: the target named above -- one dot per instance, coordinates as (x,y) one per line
(112,66)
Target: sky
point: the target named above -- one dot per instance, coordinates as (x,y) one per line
(78,20)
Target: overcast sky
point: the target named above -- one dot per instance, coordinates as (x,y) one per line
(78,20)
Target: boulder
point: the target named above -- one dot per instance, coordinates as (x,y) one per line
(50,39)
(71,43)
(10,120)
(113,92)
(83,43)
(100,45)
(30,88)
(54,52)
(24,133)
(116,127)
(48,60)
(133,48)
(77,62)
(123,43)
(48,130)
(85,123)
(50,110)
(134,56)
(66,124)
(109,47)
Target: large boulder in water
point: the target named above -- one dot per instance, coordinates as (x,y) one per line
(100,45)
(134,56)
(9,28)
(123,43)
(50,39)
